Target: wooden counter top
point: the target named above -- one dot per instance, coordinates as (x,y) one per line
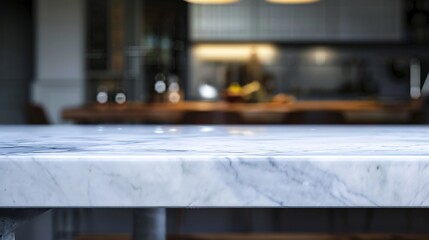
(171,113)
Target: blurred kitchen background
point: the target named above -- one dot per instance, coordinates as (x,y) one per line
(223,62)
(227,62)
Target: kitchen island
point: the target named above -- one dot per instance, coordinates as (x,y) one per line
(156,167)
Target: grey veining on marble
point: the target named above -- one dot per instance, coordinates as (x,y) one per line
(214,166)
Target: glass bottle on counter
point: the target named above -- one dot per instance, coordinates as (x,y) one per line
(102,96)
(160,87)
(174,93)
(120,97)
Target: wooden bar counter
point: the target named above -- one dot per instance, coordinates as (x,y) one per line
(252,112)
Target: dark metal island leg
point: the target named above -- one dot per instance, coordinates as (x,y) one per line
(149,224)
(11,218)
(7,228)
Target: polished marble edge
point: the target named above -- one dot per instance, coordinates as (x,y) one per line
(390,170)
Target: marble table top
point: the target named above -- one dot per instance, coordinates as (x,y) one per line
(214,166)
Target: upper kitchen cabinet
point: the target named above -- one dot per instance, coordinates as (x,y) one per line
(368,20)
(223,22)
(326,20)
(292,22)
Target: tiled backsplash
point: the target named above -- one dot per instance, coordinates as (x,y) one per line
(329,71)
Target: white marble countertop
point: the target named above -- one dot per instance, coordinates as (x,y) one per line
(185,166)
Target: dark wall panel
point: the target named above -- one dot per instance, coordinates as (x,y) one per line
(16,58)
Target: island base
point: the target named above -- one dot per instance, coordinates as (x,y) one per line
(149,224)
(11,218)
(7,228)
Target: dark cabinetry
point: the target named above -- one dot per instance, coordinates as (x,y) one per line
(129,42)
(327,20)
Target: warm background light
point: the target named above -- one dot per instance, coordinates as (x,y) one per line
(292,1)
(212,1)
(234,52)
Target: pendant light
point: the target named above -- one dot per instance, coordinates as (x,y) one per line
(292,1)
(213,2)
